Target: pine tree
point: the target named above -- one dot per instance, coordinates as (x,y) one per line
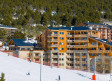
(2,78)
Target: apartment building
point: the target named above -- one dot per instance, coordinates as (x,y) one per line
(10,30)
(72,47)
(104,29)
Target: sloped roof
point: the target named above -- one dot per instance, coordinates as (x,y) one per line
(70,28)
(102,40)
(22,42)
(9,27)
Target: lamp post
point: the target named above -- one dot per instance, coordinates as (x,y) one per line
(41,56)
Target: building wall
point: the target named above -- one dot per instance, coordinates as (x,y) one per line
(34,55)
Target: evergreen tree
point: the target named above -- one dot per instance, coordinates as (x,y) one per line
(2,78)
(18,35)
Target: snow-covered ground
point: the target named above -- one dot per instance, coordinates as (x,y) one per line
(16,69)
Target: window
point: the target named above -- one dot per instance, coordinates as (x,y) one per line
(62,53)
(62,38)
(55,32)
(62,32)
(62,64)
(62,43)
(28,48)
(62,59)
(106,54)
(22,48)
(99,54)
(62,48)
(55,48)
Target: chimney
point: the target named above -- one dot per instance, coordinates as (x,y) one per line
(71,28)
(26,38)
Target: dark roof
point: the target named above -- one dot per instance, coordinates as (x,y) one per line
(93,23)
(102,40)
(70,28)
(109,26)
(6,26)
(21,42)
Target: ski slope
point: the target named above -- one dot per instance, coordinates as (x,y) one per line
(15,69)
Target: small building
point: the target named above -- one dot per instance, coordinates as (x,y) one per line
(25,50)
(20,44)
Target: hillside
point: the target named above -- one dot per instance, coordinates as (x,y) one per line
(15,69)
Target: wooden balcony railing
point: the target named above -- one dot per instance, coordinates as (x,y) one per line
(54,45)
(81,35)
(52,40)
(52,35)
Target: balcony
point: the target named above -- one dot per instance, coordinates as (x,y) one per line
(52,40)
(52,51)
(77,51)
(80,40)
(77,62)
(69,40)
(96,51)
(70,61)
(84,62)
(69,56)
(70,46)
(91,46)
(55,56)
(84,56)
(80,46)
(55,45)
(54,61)
(77,46)
(77,56)
(52,35)
(81,35)
(107,51)
(70,35)
(36,57)
(70,51)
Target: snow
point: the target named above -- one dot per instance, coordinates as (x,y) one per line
(15,69)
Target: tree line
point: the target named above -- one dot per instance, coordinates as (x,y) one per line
(68,12)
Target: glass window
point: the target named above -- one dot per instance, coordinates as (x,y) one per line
(22,48)
(62,32)
(55,32)
(62,48)
(62,38)
(55,48)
